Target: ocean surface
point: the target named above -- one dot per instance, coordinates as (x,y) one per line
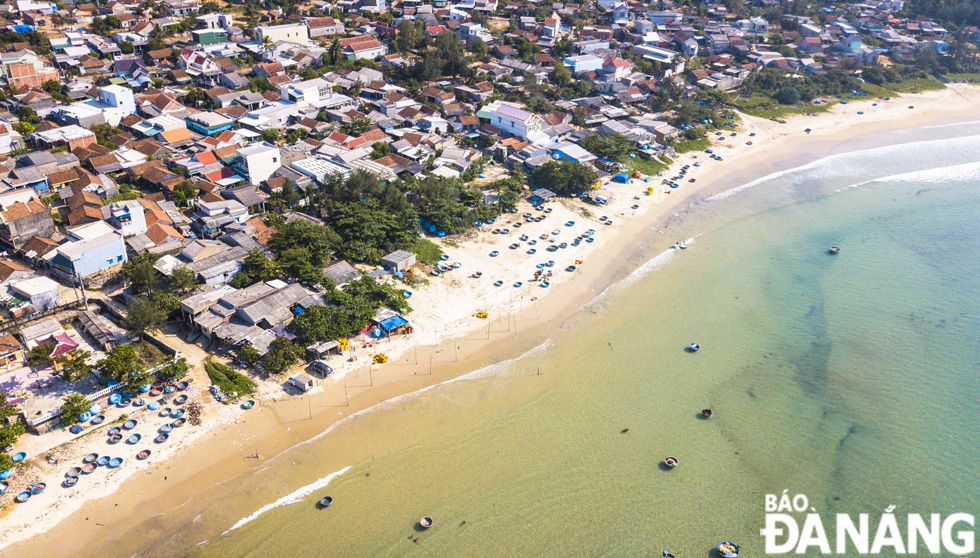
(849,378)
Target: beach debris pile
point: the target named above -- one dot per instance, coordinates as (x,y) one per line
(194,413)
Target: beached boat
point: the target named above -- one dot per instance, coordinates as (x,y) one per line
(498,283)
(75,429)
(88,468)
(143,454)
(135,438)
(114,398)
(682,246)
(729,549)
(23,497)
(139,402)
(6,473)
(70,481)
(706,413)
(38,487)
(545,284)
(90,458)
(103,461)
(169,389)
(326,501)
(161,438)
(153,406)
(694,347)
(165,412)
(181,386)
(494,254)
(125,402)
(19,456)
(115,462)
(671,462)
(833,250)
(115,438)
(73,472)
(129,424)
(97,420)
(425,522)
(3,487)
(180,400)
(180,422)
(114,430)
(666,554)
(248,404)
(166,428)
(518,284)
(177,414)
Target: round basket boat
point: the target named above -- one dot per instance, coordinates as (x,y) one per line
(139,402)
(425,522)
(88,468)
(6,473)
(114,398)
(115,462)
(166,428)
(73,472)
(153,406)
(97,420)
(114,430)
(156,391)
(326,501)
(103,461)
(125,402)
(177,414)
(134,439)
(3,487)
(115,438)
(248,404)
(38,487)
(181,386)
(143,455)
(129,424)
(671,462)
(90,458)
(23,497)
(70,481)
(165,412)
(729,549)
(161,438)
(19,456)
(169,389)
(180,400)
(75,429)
(180,422)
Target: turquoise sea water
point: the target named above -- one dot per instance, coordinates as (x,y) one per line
(850,378)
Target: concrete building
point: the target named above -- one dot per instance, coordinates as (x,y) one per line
(259,161)
(295,33)
(22,216)
(399,260)
(128,217)
(516,121)
(93,249)
(118,97)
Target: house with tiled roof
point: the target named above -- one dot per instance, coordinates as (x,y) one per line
(23,215)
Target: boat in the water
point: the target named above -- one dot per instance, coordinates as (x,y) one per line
(694,347)
(70,481)
(425,522)
(833,250)
(38,487)
(706,413)
(326,501)
(23,496)
(143,455)
(671,462)
(729,549)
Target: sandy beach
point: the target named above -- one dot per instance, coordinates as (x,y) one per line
(147,508)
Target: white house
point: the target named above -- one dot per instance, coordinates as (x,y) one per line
(583,63)
(118,97)
(128,217)
(260,160)
(310,91)
(515,120)
(295,33)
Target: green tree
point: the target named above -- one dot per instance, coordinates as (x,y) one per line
(73,406)
(248,355)
(356,126)
(256,267)
(9,431)
(282,354)
(138,378)
(561,75)
(182,279)
(126,47)
(380,149)
(564,177)
(184,191)
(40,355)
(144,316)
(174,370)
(119,362)
(73,365)
(140,272)
(271,135)
(612,145)
(316,240)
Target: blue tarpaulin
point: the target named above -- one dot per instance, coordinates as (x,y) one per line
(622,177)
(393,322)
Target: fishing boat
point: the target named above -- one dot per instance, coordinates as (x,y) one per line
(88,468)
(97,420)
(3,487)
(115,438)
(570,268)
(129,424)
(694,347)
(248,404)
(180,422)
(518,284)
(326,501)
(498,283)
(161,438)
(6,473)
(103,461)
(143,455)
(181,386)
(425,522)
(706,413)
(70,481)
(75,429)
(671,462)
(114,398)
(166,428)
(153,406)
(177,414)
(728,549)
(545,284)
(90,458)
(181,399)
(19,456)
(494,254)
(139,402)
(114,430)
(169,389)
(38,487)
(165,412)
(23,497)
(156,391)
(682,246)
(834,250)
(73,472)
(135,438)
(115,462)
(666,554)
(125,402)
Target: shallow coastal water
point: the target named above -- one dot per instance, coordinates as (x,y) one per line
(850,378)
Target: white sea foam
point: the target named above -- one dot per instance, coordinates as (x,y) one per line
(292,498)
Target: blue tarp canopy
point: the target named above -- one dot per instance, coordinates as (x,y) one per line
(393,322)
(622,177)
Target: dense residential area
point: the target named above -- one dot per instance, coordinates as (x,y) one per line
(265,184)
